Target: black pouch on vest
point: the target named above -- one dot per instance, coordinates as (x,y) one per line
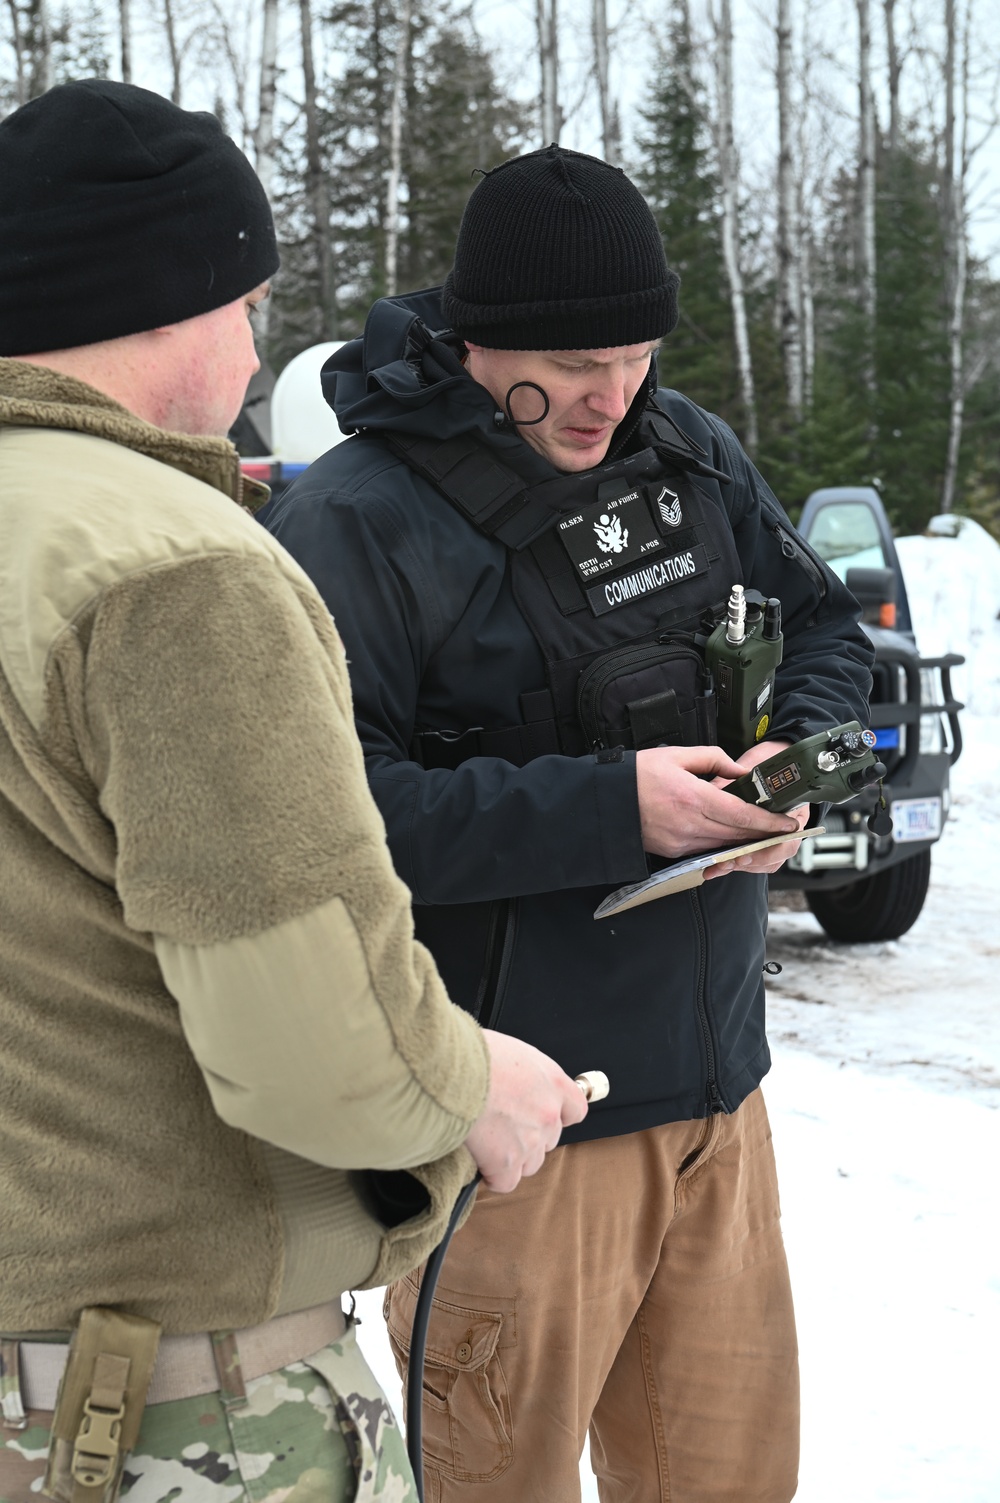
(647,694)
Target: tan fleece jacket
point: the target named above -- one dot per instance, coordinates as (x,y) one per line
(211,1002)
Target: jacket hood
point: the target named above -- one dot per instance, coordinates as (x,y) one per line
(407,361)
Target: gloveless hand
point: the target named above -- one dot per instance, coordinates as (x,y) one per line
(683,808)
(761,863)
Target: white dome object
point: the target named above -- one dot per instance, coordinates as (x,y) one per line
(302,426)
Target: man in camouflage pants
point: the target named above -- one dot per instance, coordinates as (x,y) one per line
(314,1432)
(232,1086)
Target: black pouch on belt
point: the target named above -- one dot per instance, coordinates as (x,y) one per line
(647,694)
(99,1409)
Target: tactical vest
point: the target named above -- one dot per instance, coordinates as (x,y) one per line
(618,571)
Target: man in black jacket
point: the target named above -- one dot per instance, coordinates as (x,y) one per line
(521,546)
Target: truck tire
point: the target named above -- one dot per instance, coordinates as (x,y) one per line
(882,906)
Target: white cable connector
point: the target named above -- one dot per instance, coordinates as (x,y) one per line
(594,1084)
(736,626)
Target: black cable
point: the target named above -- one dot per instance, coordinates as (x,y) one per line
(418,1340)
(526,422)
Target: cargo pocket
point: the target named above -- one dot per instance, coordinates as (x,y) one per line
(468,1434)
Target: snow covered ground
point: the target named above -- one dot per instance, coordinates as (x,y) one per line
(885,1102)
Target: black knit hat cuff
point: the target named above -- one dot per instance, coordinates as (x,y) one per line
(594,323)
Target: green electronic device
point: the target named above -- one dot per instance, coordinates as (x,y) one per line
(742,655)
(827,768)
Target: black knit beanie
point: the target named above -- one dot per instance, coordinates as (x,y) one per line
(120,212)
(559,251)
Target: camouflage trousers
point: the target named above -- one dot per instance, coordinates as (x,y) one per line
(317,1431)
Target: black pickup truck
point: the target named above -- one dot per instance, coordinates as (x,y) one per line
(860,886)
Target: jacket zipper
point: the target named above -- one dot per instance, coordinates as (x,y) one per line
(496,967)
(713,1096)
(605,669)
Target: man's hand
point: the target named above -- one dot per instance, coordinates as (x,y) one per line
(529,1103)
(761,863)
(682,813)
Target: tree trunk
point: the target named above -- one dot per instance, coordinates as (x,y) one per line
(263,137)
(895,68)
(726,147)
(789,294)
(318,192)
(866,193)
(547,21)
(956,250)
(174,50)
(21,77)
(396,152)
(41,80)
(610,120)
(125,27)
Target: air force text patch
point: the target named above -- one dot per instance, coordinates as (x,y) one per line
(615,530)
(662,570)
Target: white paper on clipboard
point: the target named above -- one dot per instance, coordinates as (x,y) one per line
(687,873)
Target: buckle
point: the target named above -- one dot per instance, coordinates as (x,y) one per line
(97,1445)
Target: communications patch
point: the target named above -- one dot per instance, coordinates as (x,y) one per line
(660,573)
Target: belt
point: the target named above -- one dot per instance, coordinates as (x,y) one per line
(186,1365)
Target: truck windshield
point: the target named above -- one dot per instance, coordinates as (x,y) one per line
(845,534)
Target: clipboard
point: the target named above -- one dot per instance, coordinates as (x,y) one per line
(687,873)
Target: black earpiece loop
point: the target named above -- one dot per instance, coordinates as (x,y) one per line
(528,422)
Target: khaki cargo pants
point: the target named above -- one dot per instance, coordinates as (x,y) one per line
(317,1431)
(636,1287)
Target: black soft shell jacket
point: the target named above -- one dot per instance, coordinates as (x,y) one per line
(507,864)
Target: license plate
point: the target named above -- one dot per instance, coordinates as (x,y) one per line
(916,819)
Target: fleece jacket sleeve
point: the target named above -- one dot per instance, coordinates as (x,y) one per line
(221,736)
(432,636)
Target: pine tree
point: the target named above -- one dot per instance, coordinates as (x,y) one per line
(459,124)
(676,174)
(80,43)
(457,120)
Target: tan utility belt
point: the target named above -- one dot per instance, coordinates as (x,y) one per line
(98,1385)
(185,1366)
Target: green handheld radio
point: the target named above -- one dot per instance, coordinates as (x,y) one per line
(742,655)
(828,768)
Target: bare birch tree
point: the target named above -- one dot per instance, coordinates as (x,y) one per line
(396,151)
(789,279)
(722,26)
(894,69)
(41,79)
(17,43)
(547,24)
(866,196)
(955,167)
(125,33)
(316,184)
(170,25)
(263,136)
(610,119)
